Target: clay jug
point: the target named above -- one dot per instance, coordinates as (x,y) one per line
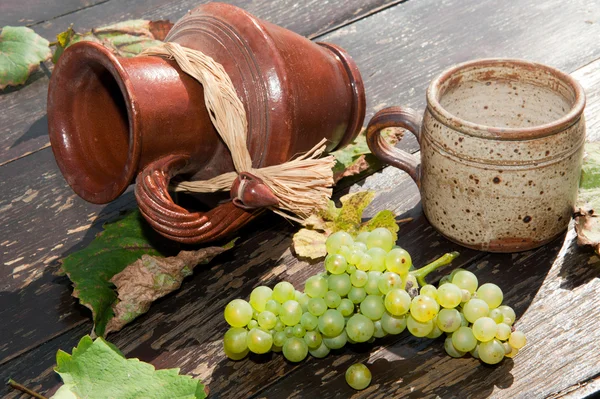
(112,120)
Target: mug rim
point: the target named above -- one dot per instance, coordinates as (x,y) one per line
(504,133)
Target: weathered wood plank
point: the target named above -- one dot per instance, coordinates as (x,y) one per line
(31,12)
(589,77)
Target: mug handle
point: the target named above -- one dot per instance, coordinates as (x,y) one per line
(405,118)
(175,222)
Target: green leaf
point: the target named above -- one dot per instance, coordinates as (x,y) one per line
(21,51)
(385,218)
(96,369)
(587,212)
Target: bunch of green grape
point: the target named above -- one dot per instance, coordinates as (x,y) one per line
(369,290)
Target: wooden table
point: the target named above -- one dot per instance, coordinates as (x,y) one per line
(399,46)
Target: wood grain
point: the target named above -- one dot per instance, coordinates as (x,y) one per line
(31,12)
(589,78)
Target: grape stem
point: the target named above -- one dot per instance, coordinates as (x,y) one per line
(15,385)
(444,260)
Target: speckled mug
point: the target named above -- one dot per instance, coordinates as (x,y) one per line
(501,150)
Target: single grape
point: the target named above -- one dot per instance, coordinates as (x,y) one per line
(238,313)
(289,332)
(380,238)
(444,280)
(340,283)
(357,295)
(332,299)
(360,328)
(346,307)
(279,338)
(336,342)
(252,324)
(236,356)
(507,348)
(351,269)
(331,323)
(451,350)
(491,352)
(509,314)
(417,328)
(451,275)
(235,340)
(466,296)
(313,339)
(484,329)
(320,352)
(398,261)
(317,306)
(397,302)
(379,331)
(496,315)
(309,321)
(430,291)
(411,285)
(267,320)
(273,306)
(435,331)
(491,294)
(393,324)
(448,320)
(303,299)
(475,352)
(359,278)
(388,281)
(335,264)
(372,286)
(365,263)
(449,296)
(360,246)
(295,349)
(372,307)
(517,339)
(279,326)
(316,286)
(259,297)
(465,280)
(503,332)
(424,308)
(474,309)
(362,238)
(259,341)
(298,331)
(513,353)
(356,252)
(284,291)
(358,376)
(338,239)
(463,321)
(291,312)
(378,259)
(255,315)
(463,339)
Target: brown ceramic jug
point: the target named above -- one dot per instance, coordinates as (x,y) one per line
(112,119)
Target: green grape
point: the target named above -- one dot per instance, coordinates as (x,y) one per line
(279,338)
(379,331)
(255,315)
(397,302)
(393,324)
(474,309)
(389,281)
(279,326)
(484,329)
(235,340)
(398,261)
(273,306)
(444,280)
(380,238)
(365,263)
(284,291)
(289,332)
(236,356)
(430,291)
(344,252)
(316,286)
(340,283)
(465,280)
(335,264)
(424,308)
(351,269)
(252,324)
(509,314)
(411,285)
(475,352)
(309,321)
(513,352)
(298,331)
(337,240)
(372,307)
(355,253)
(267,320)
(491,294)
(332,299)
(259,341)
(448,320)
(331,323)
(466,296)
(507,348)
(491,352)
(451,275)
(336,342)
(313,339)
(517,339)
(372,286)
(451,350)
(359,278)
(378,259)
(436,331)
(238,313)
(358,376)
(346,307)
(463,339)
(463,320)
(317,306)
(295,349)
(291,312)
(417,328)
(496,315)
(362,238)
(320,352)
(276,348)
(449,296)
(503,332)
(259,297)
(357,295)
(361,246)
(360,328)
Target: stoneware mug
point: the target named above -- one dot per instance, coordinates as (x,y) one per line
(501,149)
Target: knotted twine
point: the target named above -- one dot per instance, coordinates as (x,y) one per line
(302,185)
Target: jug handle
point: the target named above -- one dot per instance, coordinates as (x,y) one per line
(405,118)
(175,222)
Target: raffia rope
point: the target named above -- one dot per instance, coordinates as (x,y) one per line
(302,185)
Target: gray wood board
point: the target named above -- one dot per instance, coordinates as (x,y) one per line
(31,12)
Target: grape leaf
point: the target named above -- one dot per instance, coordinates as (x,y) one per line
(587,212)
(21,51)
(97,369)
